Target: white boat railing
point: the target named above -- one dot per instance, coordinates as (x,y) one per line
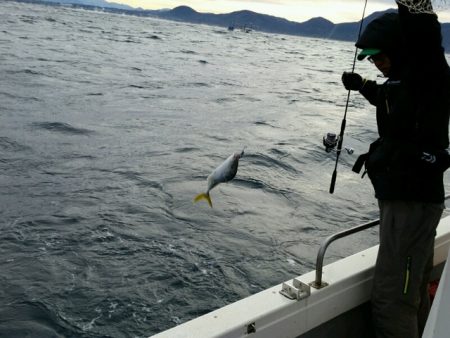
(318,283)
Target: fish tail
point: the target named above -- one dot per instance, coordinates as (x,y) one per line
(202,196)
(242,152)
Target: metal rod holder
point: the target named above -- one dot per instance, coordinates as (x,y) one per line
(318,284)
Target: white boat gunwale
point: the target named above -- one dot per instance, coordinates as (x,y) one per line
(270,314)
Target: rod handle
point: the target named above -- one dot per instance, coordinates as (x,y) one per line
(333,181)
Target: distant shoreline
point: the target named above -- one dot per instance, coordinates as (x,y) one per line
(316,27)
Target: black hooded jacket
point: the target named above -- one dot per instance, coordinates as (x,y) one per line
(413,106)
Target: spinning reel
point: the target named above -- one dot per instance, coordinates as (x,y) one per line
(331,140)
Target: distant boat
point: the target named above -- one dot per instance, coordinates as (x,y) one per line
(246,29)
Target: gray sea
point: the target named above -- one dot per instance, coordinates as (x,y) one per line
(109,126)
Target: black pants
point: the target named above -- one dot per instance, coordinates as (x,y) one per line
(400,302)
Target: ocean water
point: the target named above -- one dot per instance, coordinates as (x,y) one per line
(109,126)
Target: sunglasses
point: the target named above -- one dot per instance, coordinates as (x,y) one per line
(376,57)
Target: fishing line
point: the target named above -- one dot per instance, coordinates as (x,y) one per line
(344,120)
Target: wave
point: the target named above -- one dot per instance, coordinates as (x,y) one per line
(24,71)
(186,150)
(136,86)
(224,100)
(60,127)
(186,51)
(198,84)
(264,160)
(252,183)
(28,19)
(37,317)
(9,145)
(264,123)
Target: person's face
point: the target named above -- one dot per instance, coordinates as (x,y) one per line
(382,62)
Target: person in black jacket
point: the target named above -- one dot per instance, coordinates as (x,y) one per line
(406,164)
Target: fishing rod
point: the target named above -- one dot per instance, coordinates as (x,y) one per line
(344,120)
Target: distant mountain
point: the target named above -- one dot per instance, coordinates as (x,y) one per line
(349,31)
(315,27)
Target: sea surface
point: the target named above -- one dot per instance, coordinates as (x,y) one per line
(109,126)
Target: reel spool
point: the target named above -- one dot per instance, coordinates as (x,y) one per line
(330,141)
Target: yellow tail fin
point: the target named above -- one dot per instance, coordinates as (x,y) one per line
(203,196)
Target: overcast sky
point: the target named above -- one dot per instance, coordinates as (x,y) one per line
(295,10)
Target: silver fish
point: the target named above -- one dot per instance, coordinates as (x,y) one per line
(223,173)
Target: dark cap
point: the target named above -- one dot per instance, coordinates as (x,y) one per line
(368,52)
(380,35)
